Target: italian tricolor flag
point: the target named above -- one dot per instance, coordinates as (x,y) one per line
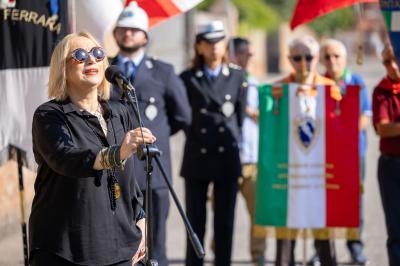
(308,172)
(391,15)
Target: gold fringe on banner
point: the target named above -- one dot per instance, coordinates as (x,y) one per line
(349,233)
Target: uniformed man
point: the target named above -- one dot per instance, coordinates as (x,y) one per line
(163,105)
(241,54)
(216,93)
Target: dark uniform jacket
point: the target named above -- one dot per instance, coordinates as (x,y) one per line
(164,109)
(218,109)
(71,210)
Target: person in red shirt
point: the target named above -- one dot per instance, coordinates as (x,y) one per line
(386,119)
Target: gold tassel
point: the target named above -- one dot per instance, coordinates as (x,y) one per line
(360,55)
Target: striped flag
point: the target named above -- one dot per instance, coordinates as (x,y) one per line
(308,172)
(28,33)
(160,10)
(391,13)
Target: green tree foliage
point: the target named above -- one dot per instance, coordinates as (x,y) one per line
(332,22)
(204,5)
(252,14)
(257,14)
(269,14)
(284,7)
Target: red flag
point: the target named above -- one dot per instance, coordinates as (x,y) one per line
(307,10)
(160,10)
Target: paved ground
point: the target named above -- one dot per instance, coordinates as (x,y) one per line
(375,234)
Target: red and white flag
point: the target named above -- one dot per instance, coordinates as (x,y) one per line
(307,10)
(160,10)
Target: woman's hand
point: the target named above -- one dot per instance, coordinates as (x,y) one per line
(132,139)
(141,252)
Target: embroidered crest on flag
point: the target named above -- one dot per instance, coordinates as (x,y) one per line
(306,132)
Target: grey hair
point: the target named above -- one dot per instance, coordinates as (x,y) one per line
(333,42)
(305,41)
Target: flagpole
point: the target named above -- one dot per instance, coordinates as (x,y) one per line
(19,156)
(229,27)
(304,247)
(72,16)
(358,9)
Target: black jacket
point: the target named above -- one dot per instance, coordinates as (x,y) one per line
(71,210)
(158,89)
(218,107)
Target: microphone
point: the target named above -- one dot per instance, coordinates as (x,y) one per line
(114,75)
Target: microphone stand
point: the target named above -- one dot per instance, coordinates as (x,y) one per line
(148,152)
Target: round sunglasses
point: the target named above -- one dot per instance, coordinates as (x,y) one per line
(80,55)
(298,58)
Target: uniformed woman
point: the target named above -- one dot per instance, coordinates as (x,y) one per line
(216,93)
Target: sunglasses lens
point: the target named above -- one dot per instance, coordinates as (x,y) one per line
(296,58)
(98,53)
(80,55)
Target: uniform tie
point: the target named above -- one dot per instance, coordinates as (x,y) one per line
(130,70)
(212,77)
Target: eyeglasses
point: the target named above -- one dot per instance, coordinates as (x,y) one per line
(298,58)
(329,56)
(80,55)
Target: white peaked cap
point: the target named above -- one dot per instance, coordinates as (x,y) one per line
(212,32)
(133,16)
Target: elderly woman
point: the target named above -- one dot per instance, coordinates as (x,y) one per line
(87,209)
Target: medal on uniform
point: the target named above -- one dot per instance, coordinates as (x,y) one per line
(228,108)
(151,110)
(149,64)
(225,71)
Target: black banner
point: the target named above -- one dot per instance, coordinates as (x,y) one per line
(29,32)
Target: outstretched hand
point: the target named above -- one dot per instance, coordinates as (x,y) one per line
(132,139)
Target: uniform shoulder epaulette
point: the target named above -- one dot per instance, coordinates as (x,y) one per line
(234,66)
(154,58)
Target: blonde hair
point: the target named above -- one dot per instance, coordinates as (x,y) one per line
(58,77)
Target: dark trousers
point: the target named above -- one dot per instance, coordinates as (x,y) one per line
(225,192)
(44,258)
(160,198)
(389,185)
(285,252)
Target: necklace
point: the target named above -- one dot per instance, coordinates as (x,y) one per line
(99,114)
(114,189)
